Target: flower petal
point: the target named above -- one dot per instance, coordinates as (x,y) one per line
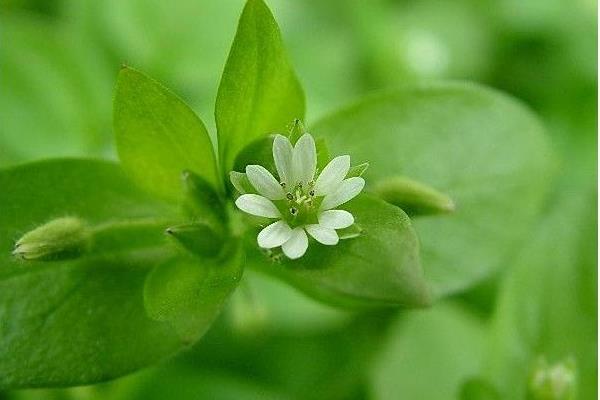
(304,159)
(323,235)
(264,182)
(336,219)
(346,191)
(296,246)
(332,175)
(257,205)
(274,235)
(282,155)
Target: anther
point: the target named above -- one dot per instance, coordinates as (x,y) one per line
(312,193)
(289,196)
(283,184)
(293,210)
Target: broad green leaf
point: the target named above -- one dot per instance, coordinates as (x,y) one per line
(428,354)
(480,148)
(548,303)
(83,320)
(259,92)
(379,267)
(158,136)
(190,292)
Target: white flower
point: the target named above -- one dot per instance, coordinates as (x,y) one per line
(300,203)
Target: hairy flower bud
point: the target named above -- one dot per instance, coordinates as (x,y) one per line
(59,239)
(415,198)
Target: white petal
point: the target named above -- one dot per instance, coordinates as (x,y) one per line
(274,235)
(304,159)
(264,182)
(296,246)
(323,235)
(347,190)
(333,174)
(282,154)
(237,179)
(336,219)
(257,205)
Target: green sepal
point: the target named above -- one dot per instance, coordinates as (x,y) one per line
(201,200)
(197,238)
(357,170)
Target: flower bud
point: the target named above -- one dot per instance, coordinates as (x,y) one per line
(59,239)
(415,198)
(553,382)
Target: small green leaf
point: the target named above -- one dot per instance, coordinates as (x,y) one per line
(158,136)
(190,292)
(485,151)
(415,198)
(259,92)
(379,267)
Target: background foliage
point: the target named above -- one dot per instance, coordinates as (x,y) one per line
(58,66)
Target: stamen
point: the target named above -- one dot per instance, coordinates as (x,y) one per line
(293,210)
(283,185)
(289,196)
(312,193)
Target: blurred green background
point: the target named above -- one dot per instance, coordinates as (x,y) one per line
(58,64)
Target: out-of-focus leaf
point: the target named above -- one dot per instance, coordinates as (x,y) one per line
(547,307)
(80,321)
(429,354)
(485,151)
(158,136)
(55,98)
(259,92)
(379,267)
(264,304)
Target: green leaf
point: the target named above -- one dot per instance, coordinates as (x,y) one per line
(190,292)
(379,267)
(83,320)
(547,308)
(485,151)
(428,355)
(259,92)
(158,136)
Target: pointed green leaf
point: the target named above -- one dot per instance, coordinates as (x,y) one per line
(480,148)
(379,267)
(158,136)
(259,92)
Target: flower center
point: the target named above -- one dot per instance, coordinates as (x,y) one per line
(300,205)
